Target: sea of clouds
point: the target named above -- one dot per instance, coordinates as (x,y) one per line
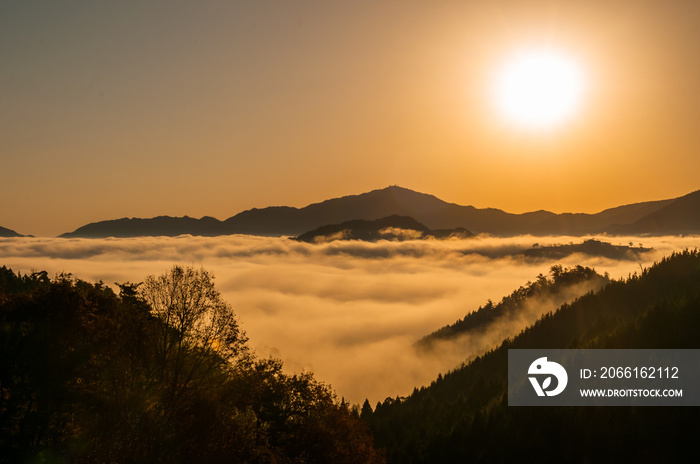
(349,311)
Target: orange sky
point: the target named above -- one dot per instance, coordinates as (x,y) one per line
(112,109)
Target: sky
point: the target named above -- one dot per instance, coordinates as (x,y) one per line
(348,311)
(140,109)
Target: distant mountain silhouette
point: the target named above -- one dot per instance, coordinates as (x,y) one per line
(426,209)
(664,216)
(389,228)
(581,223)
(680,216)
(9,233)
(158,226)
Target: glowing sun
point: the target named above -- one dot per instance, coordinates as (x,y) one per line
(539,89)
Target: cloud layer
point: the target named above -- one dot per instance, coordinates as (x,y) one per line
(349,311)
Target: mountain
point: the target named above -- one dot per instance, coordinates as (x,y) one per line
(9,233)
(389,228)
(664,216)
(426,209)
(158,226)
(464,415)
(681,216)
(284,220)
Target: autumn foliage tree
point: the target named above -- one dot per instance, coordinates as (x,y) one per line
(159,373)
(193,313)
(195,332)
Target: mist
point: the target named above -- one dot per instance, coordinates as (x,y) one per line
(349,311)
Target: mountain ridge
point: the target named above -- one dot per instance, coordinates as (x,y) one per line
(434,213)
(682,216)
(5,232)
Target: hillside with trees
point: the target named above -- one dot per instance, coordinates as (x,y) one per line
(464,415)
(160,373)
(519,309)
(590,247)
(394,228)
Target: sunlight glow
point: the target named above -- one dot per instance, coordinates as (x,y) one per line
(539,89)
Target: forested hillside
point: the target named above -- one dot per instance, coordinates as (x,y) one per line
(519,309)
(160,373)
(464,416)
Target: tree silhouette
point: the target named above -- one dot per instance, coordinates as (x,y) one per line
(196,331)
(187,302)
(88,376)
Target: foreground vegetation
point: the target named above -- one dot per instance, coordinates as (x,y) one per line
(464,416)
(162,373)
(158,373)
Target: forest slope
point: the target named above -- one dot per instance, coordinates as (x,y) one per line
(464,416)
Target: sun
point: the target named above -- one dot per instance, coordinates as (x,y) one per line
(539,89)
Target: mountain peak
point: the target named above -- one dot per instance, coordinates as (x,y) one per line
(390,192)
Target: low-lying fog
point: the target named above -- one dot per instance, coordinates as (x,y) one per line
(349,311)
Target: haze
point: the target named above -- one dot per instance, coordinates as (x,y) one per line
(114,109)
(349,311)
